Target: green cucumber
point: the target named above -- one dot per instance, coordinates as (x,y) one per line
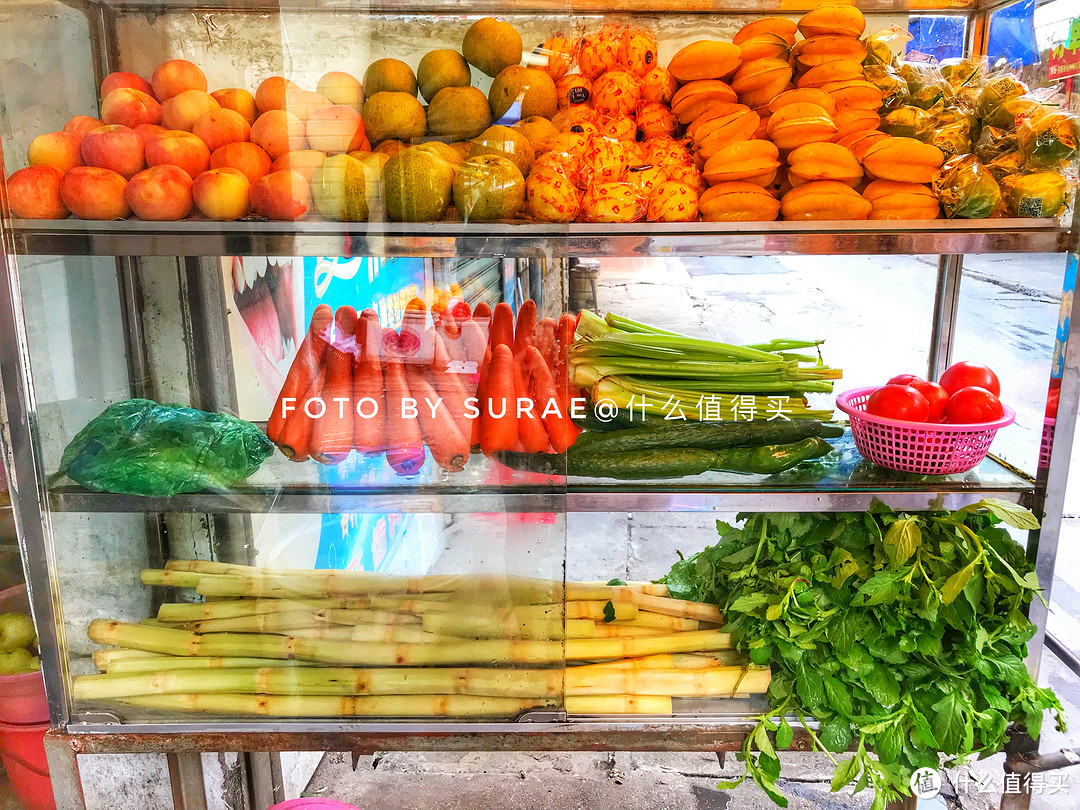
(659,463)
(704,435)
(771,458)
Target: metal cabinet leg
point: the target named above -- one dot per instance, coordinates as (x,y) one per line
(946,303)
(186,779)
(64,773)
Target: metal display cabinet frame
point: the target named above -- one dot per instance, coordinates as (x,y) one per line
(133,242)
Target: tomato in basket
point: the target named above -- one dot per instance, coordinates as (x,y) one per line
(972,405)
(898,402)
(936,396)
(965,374)
(904,379)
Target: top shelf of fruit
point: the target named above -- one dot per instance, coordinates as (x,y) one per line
(814,121)
(756,7)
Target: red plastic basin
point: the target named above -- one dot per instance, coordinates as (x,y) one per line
(22,750)
(314,804)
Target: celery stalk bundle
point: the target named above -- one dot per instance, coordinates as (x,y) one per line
(315,643)
(640,368)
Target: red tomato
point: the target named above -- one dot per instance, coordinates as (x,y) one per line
(962,374)
(904,379)
(898,402)
(972,405)
(936,396)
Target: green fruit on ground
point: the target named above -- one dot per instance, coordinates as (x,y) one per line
(508,143)
(439,69)
(488,188)
(339,189)
(533,87)
(394,115)
(389,76)
(491,45)
(16,631)
(445,151)
(418,185)
(536,128)
(459,113)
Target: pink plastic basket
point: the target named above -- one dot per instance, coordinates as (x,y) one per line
(917,447)
(1047,443)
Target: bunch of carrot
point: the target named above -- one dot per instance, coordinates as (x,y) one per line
(355,385)
(524,389)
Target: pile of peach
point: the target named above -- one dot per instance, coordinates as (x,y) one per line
(166,147)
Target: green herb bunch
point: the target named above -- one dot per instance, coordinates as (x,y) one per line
(904,634)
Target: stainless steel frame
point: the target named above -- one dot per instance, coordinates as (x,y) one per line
(717,732)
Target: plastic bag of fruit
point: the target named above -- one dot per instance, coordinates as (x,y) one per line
(925,84)
(1049,141)
(948,127)
(138,447)
(883,47)
(1039,194)
(967,190)
(894,90)
(966,77)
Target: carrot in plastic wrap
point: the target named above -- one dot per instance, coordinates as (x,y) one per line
(451,334)
(473,341)
(525,331)
(401,429)
(294,439)
(560,427)
(481,395)
(482,312)
(545,340)
(564,339)
(303,371)
(502,326)
(454,388)
(414,339)
(437,426)
(531,432)
(498,419)
(368,385)
(461,311)
(332,435)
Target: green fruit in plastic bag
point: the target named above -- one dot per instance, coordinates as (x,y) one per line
(1043,194)
(138,447)
(905,122)
(966,189)
(339,189)
(995,93)
(953,139)
(959,72)
(1006,165)
(1050,141)
(894,90)
(1014,110)
(928,95)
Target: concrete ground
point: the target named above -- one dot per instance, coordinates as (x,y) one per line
(875,319)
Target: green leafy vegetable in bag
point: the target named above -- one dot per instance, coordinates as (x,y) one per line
(138,447)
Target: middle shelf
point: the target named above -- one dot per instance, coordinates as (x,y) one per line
(840,482)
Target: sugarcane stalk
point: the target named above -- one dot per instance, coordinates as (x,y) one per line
(337,631)
(717,681)
(689,661)
(524,683)
(617,704)
(671,624)
(185,612)
(279,622)
(651,588)
(103,658)
(679,607)
(506,625)
(410,634)
(168,662)
(611,630)
(487,651)
(336,706)
(171,579)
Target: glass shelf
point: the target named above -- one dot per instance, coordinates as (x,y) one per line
(530,240)
(841,482)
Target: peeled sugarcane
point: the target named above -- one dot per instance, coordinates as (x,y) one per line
(679,607)
(658,621)
(171,579)
(337,631)
(277,622)
(602,630)
(185,612)
(492,651)
(674,661)
(594,609)
(506,625)
(651,588)
(617,704)
(717,681)
(333,706)
(517,683)
(103,658)
(172,662)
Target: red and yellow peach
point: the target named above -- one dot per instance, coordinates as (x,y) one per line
(57,149)
(90,192)
(175,77)
(223,194)
(249,159)
(160,193)
(114,147)
(34,193)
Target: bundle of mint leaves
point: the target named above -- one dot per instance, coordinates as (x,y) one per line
(900,634)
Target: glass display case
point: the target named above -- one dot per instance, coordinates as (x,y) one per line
(434,586)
